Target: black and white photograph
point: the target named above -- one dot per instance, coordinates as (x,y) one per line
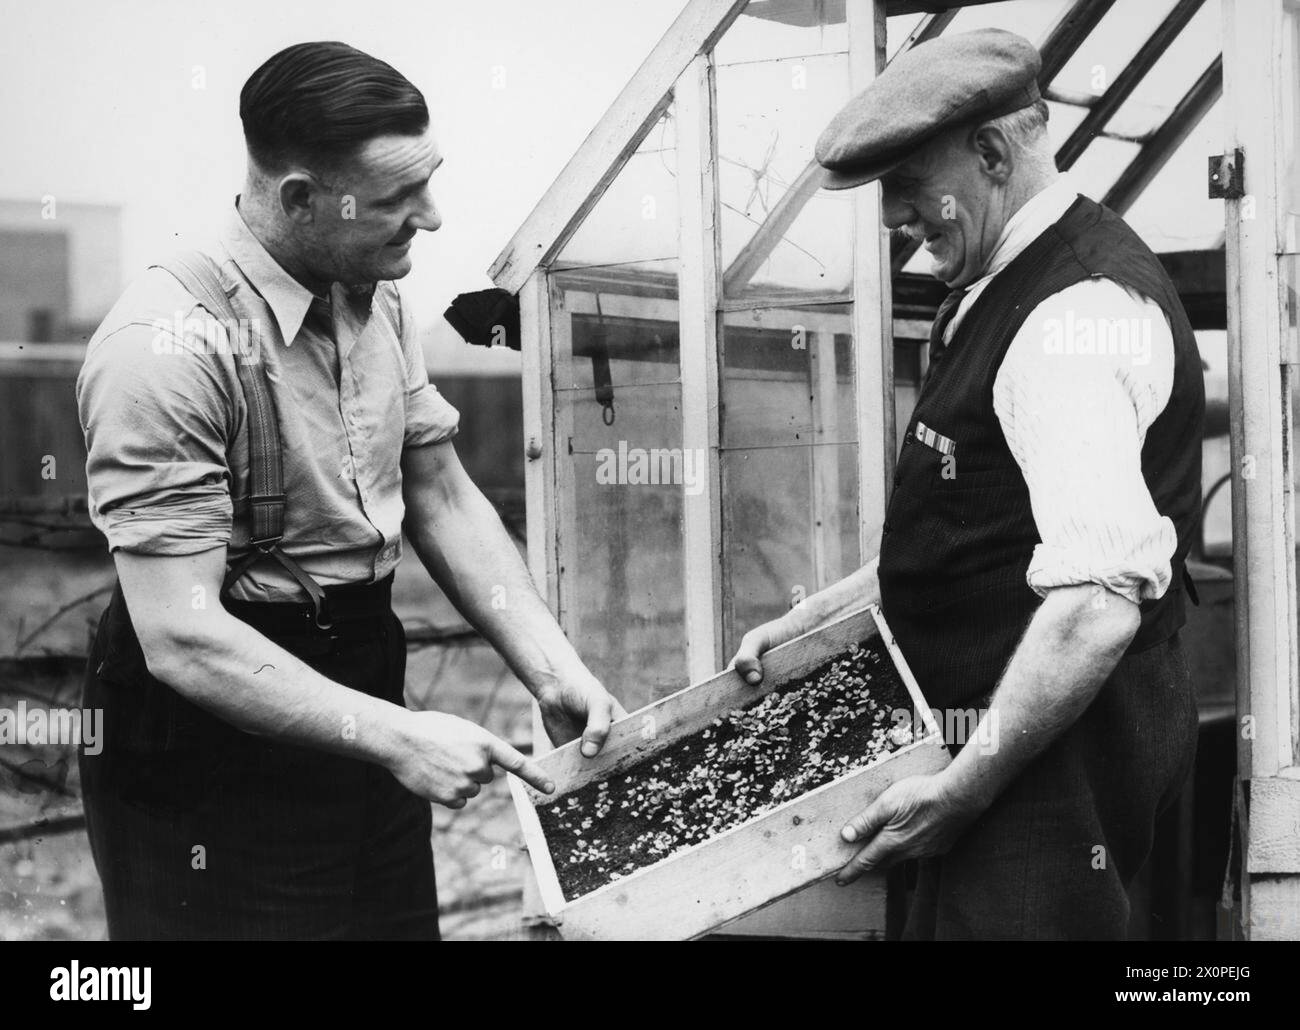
(733,470)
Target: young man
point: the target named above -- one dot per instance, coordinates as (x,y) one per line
(261,776)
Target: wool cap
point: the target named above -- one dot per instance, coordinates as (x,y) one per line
(948,81)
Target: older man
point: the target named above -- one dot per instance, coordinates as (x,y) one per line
(262,776)
(1031,558)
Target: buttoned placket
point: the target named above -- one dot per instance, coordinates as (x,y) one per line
(337,314)
(351,316)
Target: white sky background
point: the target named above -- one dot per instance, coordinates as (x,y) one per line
(98,107)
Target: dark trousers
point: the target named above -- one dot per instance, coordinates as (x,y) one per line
(1052,858)
(200,831)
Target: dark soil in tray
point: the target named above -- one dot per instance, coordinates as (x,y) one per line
(749,761)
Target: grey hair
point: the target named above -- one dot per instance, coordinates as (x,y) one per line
(1024,128)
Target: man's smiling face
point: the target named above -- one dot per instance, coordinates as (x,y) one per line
(944,196)
(375,203)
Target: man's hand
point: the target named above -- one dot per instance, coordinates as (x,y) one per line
(914,818)
(579,706)
(856,590)
(447,759)
(756,643)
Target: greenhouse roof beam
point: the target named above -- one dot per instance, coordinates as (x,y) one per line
(1074,27)
(1157,151)
(616,136)
(1126,82)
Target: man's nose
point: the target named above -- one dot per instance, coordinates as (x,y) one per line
(426,215)
(895,212)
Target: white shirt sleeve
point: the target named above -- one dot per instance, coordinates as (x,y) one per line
(1088,372)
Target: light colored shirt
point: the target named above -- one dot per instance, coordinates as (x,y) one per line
(166,423)
(1075,417)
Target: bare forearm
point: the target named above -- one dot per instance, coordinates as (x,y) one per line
(855,591)
(228,668)
(1068,651)
(473,559)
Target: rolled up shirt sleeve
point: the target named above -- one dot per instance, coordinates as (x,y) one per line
(156,418)
(430,418)
(1075,418)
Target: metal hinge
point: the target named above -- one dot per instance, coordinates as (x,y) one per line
(1228,175)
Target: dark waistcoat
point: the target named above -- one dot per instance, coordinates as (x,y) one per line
(959,532)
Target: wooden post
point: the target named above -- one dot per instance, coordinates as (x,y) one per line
(698,276)
(539,438)
(873,348)
(824,460)
(539,499)
(1259,380)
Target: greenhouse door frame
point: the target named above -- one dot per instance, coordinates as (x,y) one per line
(1262,365)
(823,907)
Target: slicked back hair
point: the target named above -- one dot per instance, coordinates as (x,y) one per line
(316,103)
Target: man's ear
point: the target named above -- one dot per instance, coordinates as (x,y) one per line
(996,155)
(297,190)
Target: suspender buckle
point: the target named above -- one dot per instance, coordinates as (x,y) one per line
(322,617)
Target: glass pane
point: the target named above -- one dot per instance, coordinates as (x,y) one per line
(768,29)
(1175,211)
(788,458)
(1101,165)
(780,233)
(787,377)
(789,528)
(1111,45)
(1033,19)
(636,218)
(1062,119)
(617,326)
(1173,74)
(897,29)
(621,479)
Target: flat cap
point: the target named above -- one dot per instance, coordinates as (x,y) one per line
(937,85)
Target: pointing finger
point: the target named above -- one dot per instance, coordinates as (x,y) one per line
(513,761)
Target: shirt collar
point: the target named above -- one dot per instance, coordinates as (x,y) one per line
(287,298)
(1038,214)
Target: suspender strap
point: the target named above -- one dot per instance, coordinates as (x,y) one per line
(201,278)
